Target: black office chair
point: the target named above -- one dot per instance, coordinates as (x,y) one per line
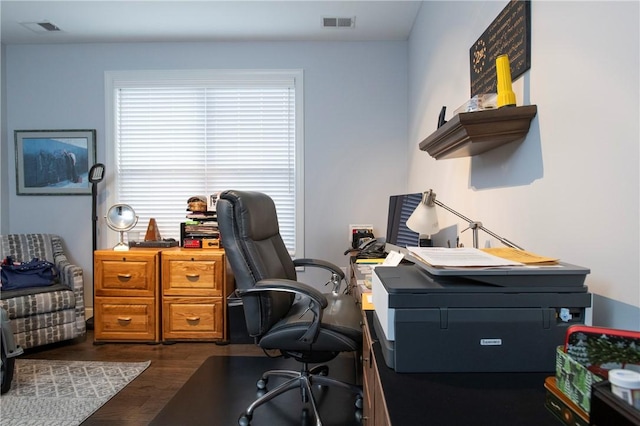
(282,313)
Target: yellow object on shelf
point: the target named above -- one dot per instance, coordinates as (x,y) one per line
(367,301)
(521,256)
(506,96)
(370,261)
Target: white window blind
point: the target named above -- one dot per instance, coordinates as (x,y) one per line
(178,138)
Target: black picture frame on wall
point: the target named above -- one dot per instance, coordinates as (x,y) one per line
(54,162)
(510,34)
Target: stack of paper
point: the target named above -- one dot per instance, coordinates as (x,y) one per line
(472,257)
(458,257)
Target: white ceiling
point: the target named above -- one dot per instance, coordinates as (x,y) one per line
(204,20)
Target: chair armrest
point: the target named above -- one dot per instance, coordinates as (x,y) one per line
(337,275)
(287,286)
(320,264)
(69,272)
(317,301)
(71,275)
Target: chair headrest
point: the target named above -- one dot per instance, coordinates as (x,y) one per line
(255,213)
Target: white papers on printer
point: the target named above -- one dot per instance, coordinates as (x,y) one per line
(458,257)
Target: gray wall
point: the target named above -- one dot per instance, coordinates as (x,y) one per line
(4,170)
(355,126)
(571,188)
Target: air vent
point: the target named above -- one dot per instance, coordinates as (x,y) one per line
(41,27)
(335,22)
(48,26)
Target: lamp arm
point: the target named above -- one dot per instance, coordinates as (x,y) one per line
(477,225)
(501,239)
(449,209)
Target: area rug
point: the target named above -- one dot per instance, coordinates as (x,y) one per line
(62,393)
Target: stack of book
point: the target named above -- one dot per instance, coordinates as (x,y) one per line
(200,230)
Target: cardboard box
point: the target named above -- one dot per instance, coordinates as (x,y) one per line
(574,380)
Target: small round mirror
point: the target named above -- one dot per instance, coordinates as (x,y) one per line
(121,218)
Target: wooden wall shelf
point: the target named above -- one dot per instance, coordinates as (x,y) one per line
(472,133)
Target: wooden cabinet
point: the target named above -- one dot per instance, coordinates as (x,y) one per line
(153,295)
(194,291)
(126,305)
(375,411)
(368,378)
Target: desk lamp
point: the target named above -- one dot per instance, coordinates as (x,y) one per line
(424,220)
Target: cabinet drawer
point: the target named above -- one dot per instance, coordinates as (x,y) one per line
(192,275)
(192,318)
(125,318)
(368,377)
(126,275)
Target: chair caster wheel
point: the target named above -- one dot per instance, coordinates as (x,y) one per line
(359,403)
(244,420)
(262,384)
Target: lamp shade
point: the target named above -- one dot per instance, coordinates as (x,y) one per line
(424,219)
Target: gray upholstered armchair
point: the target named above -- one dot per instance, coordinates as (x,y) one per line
(42,315)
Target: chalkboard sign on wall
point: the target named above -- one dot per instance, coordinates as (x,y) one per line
(509,33)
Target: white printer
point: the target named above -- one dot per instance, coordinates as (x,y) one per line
(492,320)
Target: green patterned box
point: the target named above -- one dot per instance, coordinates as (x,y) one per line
(574,380)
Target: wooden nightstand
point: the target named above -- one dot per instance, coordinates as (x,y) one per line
(126,295)
(194,291)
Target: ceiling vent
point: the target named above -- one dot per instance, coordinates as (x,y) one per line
(334,22)
(41,27)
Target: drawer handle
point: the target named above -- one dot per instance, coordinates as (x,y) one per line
(193,319)
(193,275)
(124,276)
(124,319)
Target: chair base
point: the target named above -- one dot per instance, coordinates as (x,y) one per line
(302,380)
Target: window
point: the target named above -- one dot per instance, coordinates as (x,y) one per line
(176,134)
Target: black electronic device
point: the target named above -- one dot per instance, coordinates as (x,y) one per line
(400,208)
(441,120)
(515,325)
(169,242)
(360,236)
(369,248)
(373,248)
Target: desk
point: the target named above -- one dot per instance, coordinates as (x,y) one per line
(449,398)
(480,399)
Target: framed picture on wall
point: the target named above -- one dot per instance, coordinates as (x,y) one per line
(54,162)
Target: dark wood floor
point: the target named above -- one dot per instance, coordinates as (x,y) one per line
(171,366)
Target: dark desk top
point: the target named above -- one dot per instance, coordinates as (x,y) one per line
(478,399)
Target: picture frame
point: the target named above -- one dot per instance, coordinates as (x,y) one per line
(54,162)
